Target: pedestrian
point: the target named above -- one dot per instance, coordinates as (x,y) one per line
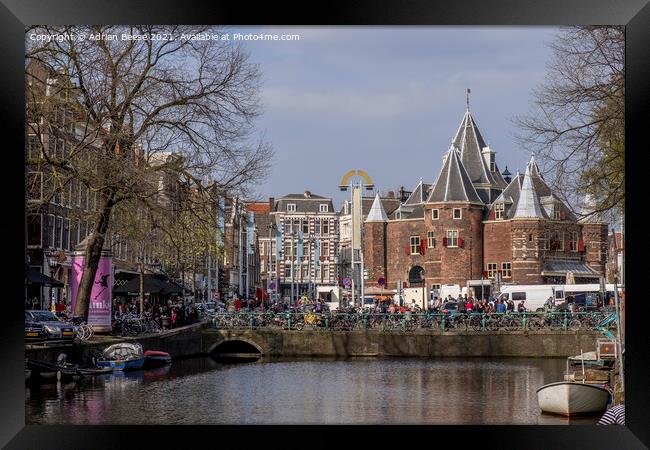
(520,307)
(500,307)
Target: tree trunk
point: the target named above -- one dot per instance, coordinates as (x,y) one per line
(141,288)
(91,260)
(193,276)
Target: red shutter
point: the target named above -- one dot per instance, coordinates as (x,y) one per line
(460,242)
(493,215)
(408,249)
(562,215)
(581,245)
(444,241)
(485,274)
(423,244)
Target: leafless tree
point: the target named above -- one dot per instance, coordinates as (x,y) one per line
(135,101)
(577,121)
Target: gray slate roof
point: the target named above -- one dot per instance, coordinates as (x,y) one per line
(453,183)
(377,213)
(303,204)
(419,194)
(528,205)
(408,212)
(546,199)
(469,141)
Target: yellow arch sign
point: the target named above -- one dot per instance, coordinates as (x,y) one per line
(350,174)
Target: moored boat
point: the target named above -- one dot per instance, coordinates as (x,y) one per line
(122,356)
(43,370)
(154,358)
(570,398)
(90,371)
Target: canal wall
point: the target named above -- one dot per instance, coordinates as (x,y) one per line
(179,343)
(194,340)
(315,343)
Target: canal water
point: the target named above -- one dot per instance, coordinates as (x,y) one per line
(352,391)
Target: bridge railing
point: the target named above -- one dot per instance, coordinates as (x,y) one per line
(511,321)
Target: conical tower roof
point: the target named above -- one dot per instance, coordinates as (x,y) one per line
(453,183)
(528,205)
(377,212)
(469,141)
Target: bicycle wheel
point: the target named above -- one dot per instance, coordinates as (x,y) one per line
(574,324)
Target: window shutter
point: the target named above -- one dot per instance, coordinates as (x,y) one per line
(562,215)
(493,215)
(460,242)
(581,245)
(423,244)
(408,249)
(444,241)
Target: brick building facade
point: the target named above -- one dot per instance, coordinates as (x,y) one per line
(476,222)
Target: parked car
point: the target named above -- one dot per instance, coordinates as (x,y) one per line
(54,328)
(34,331)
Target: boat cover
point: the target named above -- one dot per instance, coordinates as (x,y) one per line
(123,350)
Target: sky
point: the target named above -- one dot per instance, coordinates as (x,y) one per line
(389,100)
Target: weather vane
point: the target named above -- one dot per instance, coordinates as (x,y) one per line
(469,91)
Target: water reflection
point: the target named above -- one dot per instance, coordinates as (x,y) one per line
(353,391)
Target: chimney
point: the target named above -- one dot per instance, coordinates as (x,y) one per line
(271,203)
(307,194)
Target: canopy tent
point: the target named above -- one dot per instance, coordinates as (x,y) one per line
(38,279)
(153,284)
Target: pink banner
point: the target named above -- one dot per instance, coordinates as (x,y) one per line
(99,313)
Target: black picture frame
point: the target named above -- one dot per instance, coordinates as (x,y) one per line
(15,14)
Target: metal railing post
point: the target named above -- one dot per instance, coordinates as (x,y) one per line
(566,321)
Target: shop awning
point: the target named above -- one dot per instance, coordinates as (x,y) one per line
(153,284)
(561,268)
(38,279)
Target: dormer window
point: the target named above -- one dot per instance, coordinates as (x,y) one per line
(493,164)
(435,214)
(458,213)
(498,211)
(291,207)
(557,212)
(324,207)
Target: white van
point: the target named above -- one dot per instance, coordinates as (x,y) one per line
(534,295)
(450,289)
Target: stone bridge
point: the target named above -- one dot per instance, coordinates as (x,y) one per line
(305,343)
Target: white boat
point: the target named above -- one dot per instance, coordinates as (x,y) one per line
(569,398)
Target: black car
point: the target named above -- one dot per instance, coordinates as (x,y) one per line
(54,328)
(34,331)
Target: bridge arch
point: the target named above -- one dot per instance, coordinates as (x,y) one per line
(235,345)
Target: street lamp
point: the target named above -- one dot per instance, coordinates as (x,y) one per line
(272,227)
(356,187)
